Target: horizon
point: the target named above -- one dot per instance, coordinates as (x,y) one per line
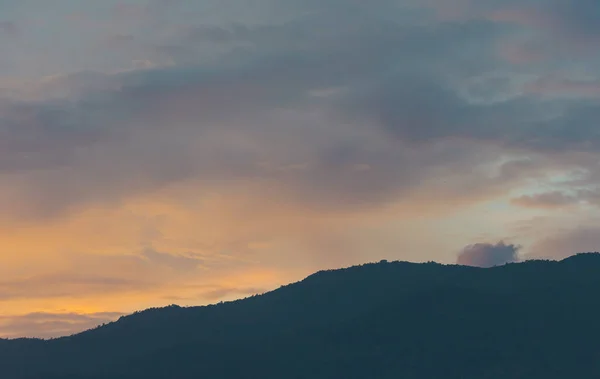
(383,261)
(168,151)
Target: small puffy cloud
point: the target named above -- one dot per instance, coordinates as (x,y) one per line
(488,255)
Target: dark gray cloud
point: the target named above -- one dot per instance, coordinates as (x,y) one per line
(427,109)
(324,106)
(488,255)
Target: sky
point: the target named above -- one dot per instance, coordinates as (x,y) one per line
(157,152)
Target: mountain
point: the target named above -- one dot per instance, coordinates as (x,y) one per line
(530,320)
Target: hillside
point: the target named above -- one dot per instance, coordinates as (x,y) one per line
(537,319)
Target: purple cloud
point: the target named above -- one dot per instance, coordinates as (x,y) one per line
(488,255)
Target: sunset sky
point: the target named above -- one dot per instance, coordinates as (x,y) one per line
(176,151)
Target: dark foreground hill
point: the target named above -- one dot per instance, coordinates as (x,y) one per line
(538,319)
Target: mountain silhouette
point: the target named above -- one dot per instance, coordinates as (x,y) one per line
(529,320)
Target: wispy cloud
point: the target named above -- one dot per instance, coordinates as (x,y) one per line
(49,325)
(568,241)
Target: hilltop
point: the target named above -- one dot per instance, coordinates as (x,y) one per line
(536,319)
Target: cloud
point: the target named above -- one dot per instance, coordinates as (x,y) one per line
(488,255)
(49,325)
(581,18)
(575,26)
(177,263)
(88,274)
(559,199)
(557,86)
(217,292)
(567,241)
(336,89)
(57,324)
(66,286)
(9,28)
(554,199)
(98,144)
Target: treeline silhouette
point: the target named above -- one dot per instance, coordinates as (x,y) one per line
(386,320)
